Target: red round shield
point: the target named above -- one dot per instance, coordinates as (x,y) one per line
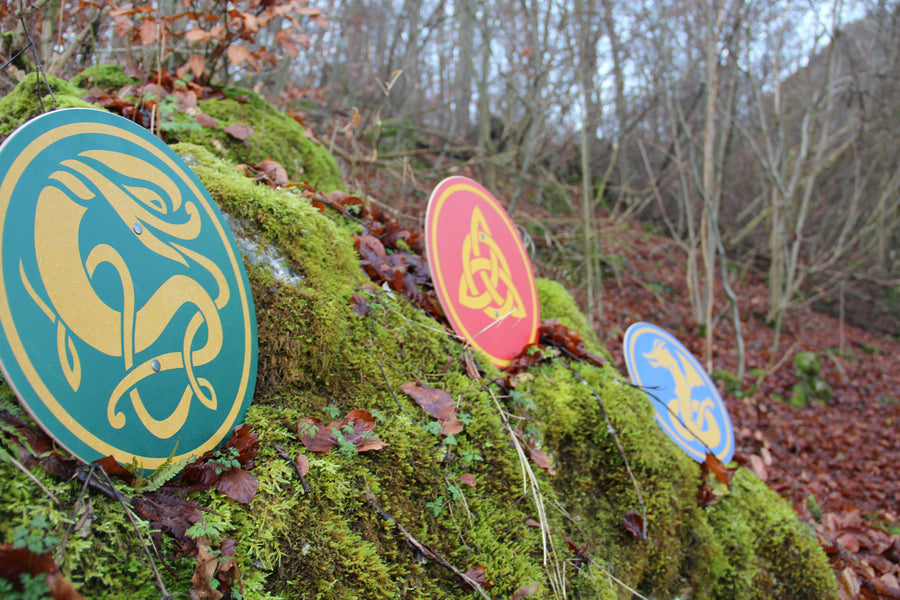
(481,272)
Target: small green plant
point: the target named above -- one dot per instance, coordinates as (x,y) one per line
(331,411)
(162,475)
(226,458)
(345,447)
(841,352)
(812,388)
(435,506)
(815,511)
(35,536)
(730,382)
(469,456)
(432,427)
(455,492)
(307,429)
(34,587)
(522,401)
(208,527)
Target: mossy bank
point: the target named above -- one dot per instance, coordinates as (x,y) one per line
(319,358)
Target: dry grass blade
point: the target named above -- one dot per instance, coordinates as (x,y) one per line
(555,568)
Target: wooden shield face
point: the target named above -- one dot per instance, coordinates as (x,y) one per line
(481,271)
(128,324)
(688,405)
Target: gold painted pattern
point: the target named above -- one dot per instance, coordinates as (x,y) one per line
(486,283)
(696,418)
(123,333)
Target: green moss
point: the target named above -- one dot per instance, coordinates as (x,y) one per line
(25,101)
(275,136)
(102,557)
(771,554)
(104,76)
(557,303)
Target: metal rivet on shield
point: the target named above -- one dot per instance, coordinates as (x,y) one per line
(154,364)
(137,228)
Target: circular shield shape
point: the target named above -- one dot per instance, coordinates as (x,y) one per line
(128,323)
(481,271)
(688,405)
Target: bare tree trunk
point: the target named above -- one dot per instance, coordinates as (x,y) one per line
(710,186)
(587,59)
(465,11)
(616,54)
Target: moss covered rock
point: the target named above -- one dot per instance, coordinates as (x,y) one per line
(35,95)
(389,523)
(275,135)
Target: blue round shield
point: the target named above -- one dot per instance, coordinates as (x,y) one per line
(127,319)
(688,405)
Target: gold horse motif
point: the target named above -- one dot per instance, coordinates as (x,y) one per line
(697,418)
(82,315)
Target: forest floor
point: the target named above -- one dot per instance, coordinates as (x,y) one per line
(837,462)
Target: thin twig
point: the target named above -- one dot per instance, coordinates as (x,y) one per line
(28,474)
(159,580)
(606,572)
(37,59)
(15,56)
(425,550)
(65,540)
(612,430)
(262,129)
(390,387)
(493,323)
(283,454)
(672,413)
(555,574)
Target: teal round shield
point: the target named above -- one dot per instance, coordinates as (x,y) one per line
(688,405)
(128,322)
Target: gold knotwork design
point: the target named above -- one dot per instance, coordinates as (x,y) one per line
(155,210)
(486,283)
(697,418)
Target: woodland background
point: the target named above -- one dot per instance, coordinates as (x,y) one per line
(755,139)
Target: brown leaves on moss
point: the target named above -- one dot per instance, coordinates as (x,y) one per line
(16,562)
(437,403)
(476,575)
(166,509)
(634,523)
(239,131)
(581,554)
(537,456)
(359,304)
(226,469)
(215,570)
(527,590)
(356,430)
(553,333)
(391,254)
(712,464)
(712,489)
(204,572)
(268,171)
(141,103)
